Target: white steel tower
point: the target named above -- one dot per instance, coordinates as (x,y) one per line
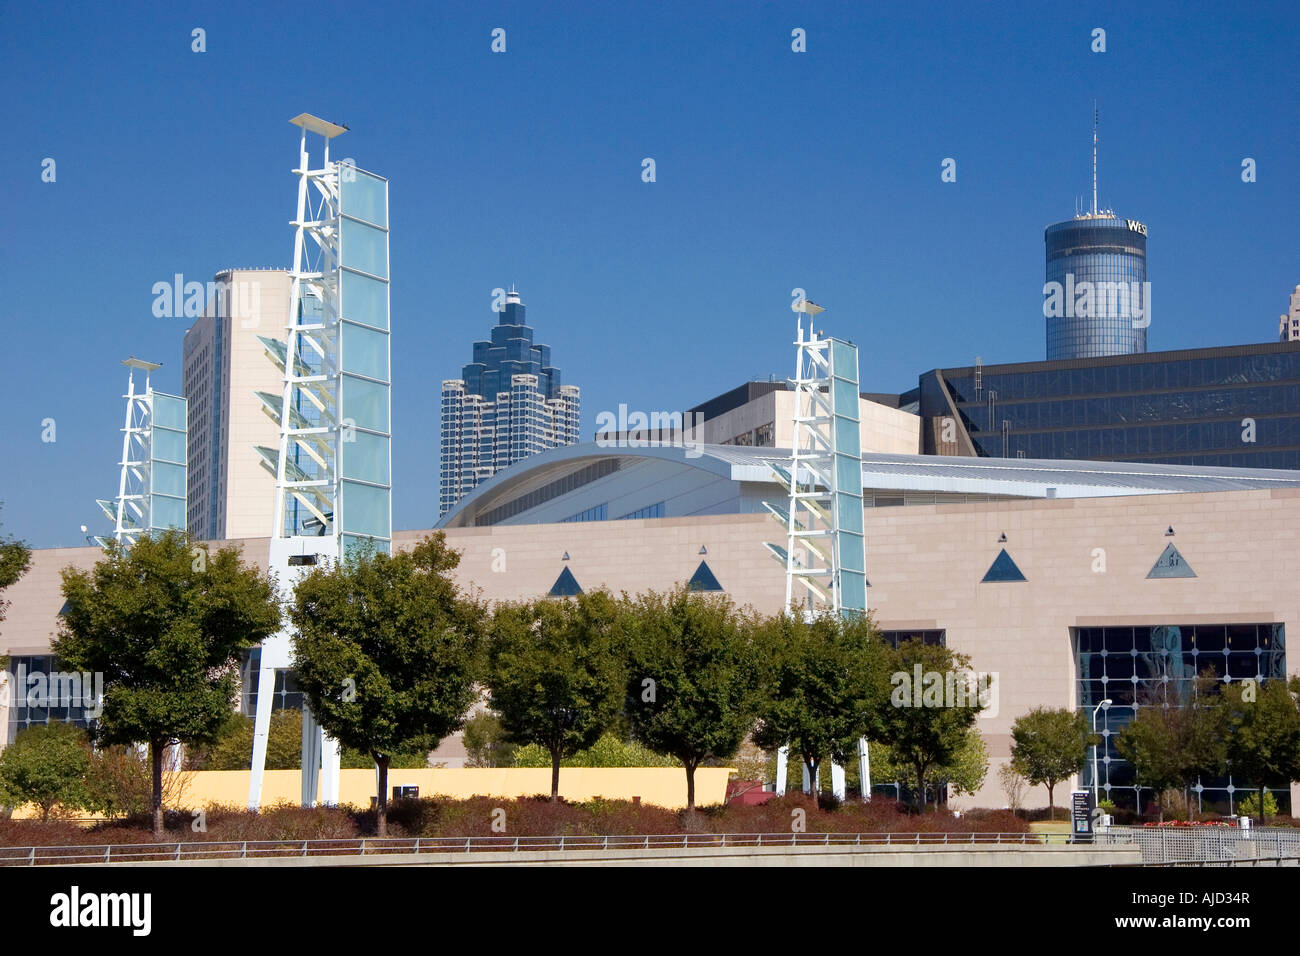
(333,490)
(151,483)
(824,552)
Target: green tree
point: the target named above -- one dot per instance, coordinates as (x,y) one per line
(164,622)
(827,686)
(964,772)
(609,751)
(1173,743)
(556,673)
(1049,745)
(1264,733)
(46,765)
(485,742)
(386,651)
(233,749)
(15,559)
(933,704)
(695,677)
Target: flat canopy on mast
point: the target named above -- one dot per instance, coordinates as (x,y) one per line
(317,125)
(134,362)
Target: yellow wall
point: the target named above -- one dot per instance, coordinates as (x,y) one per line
(662,786)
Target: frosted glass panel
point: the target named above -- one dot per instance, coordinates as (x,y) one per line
(366,403)
(364,248)
(844,398)
(364,299)
(366,458)
(169,411)
(853,591)
(363,196)
(168,445)
(844,360)
(168,512)
(365,510)
(365,351)
(850,513)
(848,474)
(848,439)
(169,479)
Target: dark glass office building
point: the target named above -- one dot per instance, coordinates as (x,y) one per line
(1237,406)
(1096,297)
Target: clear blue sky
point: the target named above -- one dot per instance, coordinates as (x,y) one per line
(774,170)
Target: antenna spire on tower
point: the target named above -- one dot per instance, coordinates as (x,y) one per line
(1094,157)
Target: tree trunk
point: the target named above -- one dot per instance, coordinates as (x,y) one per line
(1051,801)
(382,821)
(156,755)
(555,776)
(1261,806)
(813,767)
(690,787)
(920,784)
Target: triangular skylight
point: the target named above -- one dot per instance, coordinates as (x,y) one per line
(703,579)
(566,585)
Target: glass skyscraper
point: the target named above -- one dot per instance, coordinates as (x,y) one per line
(508,404)
(1096,296)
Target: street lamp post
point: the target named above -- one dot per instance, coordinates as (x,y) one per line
(1105,703)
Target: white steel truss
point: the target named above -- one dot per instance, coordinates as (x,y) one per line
(817,540)
(130,511)
(306,465)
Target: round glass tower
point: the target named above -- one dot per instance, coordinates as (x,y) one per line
(1096,296)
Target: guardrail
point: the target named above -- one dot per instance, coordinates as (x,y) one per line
(266,849)
(1198,846)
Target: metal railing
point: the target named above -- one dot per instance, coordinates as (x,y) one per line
(270,849)
(1204,845)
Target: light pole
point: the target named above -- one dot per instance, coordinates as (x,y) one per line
(1104,703)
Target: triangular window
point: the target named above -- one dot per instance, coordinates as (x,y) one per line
(566,585)
(1170,564)
(703,579)
(1003,569)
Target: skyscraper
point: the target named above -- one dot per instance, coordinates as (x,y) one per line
(507,404)
(225,366)
(1096,295)
(1289,326)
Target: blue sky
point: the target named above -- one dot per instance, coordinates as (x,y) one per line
(775,169)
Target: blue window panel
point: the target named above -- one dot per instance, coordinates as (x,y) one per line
(703,579)
(168,445)
(566,585)
(366,510)
(850,513)
(363,299)
(366,457)
(844,361)
(1171,564)
(356,545)
(1002,569)
(363,247)
(168,512)
(848,474)
(365,351)
(169,411)
(365,403)
(853,591)
(168,479)
(848,438)
(363,196)
(844,398)
(852,552)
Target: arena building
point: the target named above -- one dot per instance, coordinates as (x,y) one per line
(1073,582)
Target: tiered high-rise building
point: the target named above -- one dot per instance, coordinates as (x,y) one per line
(507,404)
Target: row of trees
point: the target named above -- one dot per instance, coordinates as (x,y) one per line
(1243,728)
(391,656)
